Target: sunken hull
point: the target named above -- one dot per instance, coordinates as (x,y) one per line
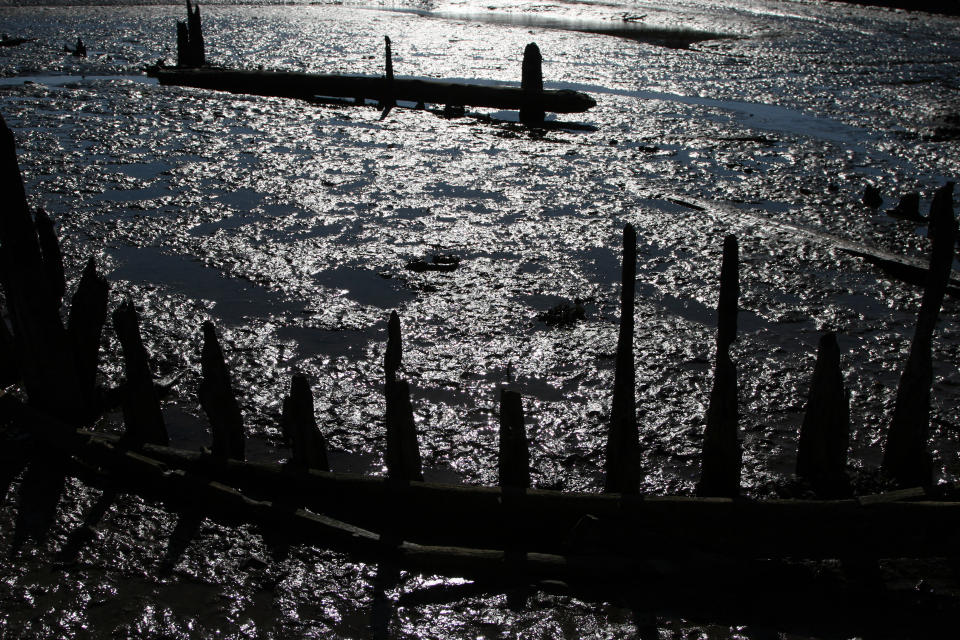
(308,86)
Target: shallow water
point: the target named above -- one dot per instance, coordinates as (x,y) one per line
(290,226)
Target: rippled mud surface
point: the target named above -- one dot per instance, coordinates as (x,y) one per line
(290,225)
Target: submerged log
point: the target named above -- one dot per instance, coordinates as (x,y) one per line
(141,407)
(88,313)
(722,456)
(623,440)
(825,433)
(300,426)
(289,84)
(905,456)
(218,400)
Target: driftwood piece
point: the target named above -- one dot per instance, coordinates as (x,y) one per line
(43,352)
(825,432)
(218,400)
(304,86)
(623,444)
(88,313)
(51,255)
(141,407)
(905,456)
(300,426)
(722,456)
(513,461)
(531,83)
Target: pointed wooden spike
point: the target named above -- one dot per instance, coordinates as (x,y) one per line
(218,400)
(825,433)
(141,407)
(51,255)
(88,314)
(729,294)
(394,353)
(403,451)
(514,457)
(905,456)
(722,455)
(300,425)
(623,441)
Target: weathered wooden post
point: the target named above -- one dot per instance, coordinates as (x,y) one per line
(514,458)
(198,56)
(825,433)
(388,99)
(183,45)
(9,369)
(722,456)
(905,456)
(218,400)
(141,407)
(531,83)
(51,255)
(42,347)
(623,440)
(403,452)
(88,313)
(300,425)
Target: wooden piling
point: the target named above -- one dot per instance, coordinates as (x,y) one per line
(402,457)
(825,433)
(722,456)
(905,457)
(183,45)
(42,347)
(218,400)
(531,83)
(141,407)
(198,56)
(514,458)
(388,98)
(88,313)
(300,425)
(623,440)
(51,255)
(9,368)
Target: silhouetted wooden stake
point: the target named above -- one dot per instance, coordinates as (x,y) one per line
(42,348)
(531,83)
(722,456)
(51,256)
(623,441)
(198,56)
(9,369)
(825,433)
(514,458)
(141,407)
(388,101)
(403,452)
(88,313)
(394,353)
(300,425)
(183,45)
(905,456)
(218,400)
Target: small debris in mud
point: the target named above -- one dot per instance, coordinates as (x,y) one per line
(444,262)
(872,197)
(908,208)
(563,314)
(944,127)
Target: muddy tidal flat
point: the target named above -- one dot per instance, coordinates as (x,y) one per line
(293,227)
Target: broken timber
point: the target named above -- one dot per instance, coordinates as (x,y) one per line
(307,86)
